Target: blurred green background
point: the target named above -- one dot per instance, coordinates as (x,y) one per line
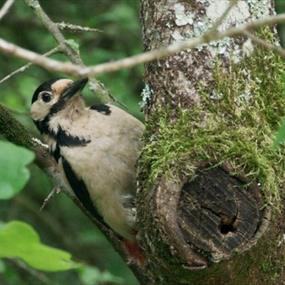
(61,224)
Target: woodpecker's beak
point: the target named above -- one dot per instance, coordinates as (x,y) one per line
(74,88)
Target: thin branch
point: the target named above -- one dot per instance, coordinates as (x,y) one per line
(55,190)
(28,65)
(39,276)
(74,56)
(221,19)
(5,8)
(55,32)
(38,59)
(265,44)
(181,45)
(75,28)
(53,225)
(77,70)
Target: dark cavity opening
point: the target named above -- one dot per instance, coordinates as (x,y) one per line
(227,225)
(225,229)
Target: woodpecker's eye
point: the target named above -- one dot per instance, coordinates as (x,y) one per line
(46,97)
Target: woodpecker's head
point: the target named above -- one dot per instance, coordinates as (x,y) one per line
(53,96)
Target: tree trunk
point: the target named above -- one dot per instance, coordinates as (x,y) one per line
(209,178)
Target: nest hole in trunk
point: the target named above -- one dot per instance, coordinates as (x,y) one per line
(219,214)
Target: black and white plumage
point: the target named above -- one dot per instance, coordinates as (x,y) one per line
(96,148)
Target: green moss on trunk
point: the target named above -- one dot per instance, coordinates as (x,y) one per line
(234,124)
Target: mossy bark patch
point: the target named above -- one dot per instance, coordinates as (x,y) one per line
(234,124)
(218,105)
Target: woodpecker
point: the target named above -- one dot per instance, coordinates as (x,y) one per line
(96,149)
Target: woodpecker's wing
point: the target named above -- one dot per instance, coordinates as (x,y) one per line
(79,189)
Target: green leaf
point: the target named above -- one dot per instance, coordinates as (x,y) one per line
(19,240)
(73,44)
(280,136)
(13,173)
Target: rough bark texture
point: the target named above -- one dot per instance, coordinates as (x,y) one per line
(200,226)
(201,210)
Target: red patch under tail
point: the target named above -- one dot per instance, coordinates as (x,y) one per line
(134,251)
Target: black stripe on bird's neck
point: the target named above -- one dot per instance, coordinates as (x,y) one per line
(61,136)
(58,106)
(43,125)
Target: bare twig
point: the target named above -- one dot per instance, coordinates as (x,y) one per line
(55,190)
(39,142)
(53,225)
(75,28)
(5,8)
(74,56)
(55,32)
(28,65)
(181,45)
(265,44)
(77,70)
(38,59)
(221,19)
(39,276)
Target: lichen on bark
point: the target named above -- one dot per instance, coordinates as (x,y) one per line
(216,105)
(234,124)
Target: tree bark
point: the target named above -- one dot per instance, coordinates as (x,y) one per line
(209,178)
(205,197)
